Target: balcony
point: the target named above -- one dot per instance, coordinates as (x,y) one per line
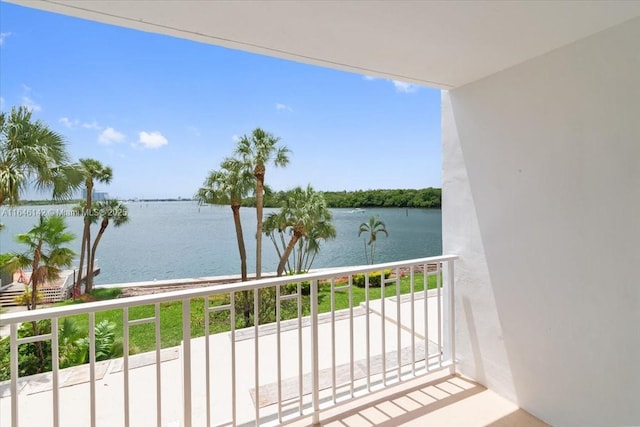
(379,361)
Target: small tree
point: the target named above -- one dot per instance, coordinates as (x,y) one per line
(305,217)
(228,186)
(372,227)
(92,171)
(256,151)
(106,211)
(45,254)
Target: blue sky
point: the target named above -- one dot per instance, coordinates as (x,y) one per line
(162,111)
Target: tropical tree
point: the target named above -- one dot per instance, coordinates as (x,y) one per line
(230,185)
(372,228)
(45,254)
(92,171)
(32,154)
(106,211)
(305,217)
(256,151)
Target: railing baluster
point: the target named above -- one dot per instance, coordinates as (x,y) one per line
(232,298)
(300,376)
(256,354)
(92,366)
(315,386)
(398,325)
(351,346)
(158,367)
(333,340)
(278,353)
(125,362)
(186,361)
(13,332)
(383,332)
(412,291)
(55,354)
(440,317)
(425,281)
(367,331)
(207,358)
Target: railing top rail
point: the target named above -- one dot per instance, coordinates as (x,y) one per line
(215,289)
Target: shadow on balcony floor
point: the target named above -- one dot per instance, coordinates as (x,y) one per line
(450,400)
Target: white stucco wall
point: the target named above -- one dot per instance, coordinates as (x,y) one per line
(541,187)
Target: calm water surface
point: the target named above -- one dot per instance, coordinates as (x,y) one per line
(169,240)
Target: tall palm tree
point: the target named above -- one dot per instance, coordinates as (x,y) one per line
(230,185)
(306,217)
(372,227)
(92,171)
(32,154)
(107,211)
(256,151)
(45,254)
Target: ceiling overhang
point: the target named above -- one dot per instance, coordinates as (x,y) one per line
(444,44)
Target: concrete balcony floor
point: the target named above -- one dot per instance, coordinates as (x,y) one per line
(439,400)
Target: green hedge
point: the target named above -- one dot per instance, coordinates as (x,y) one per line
(374,279)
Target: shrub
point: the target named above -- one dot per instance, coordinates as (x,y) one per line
(374,279)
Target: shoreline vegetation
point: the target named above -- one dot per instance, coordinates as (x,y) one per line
(396,198)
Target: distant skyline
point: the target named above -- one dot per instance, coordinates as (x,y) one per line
(163,112)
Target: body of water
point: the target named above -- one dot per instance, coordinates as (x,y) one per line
(171,240)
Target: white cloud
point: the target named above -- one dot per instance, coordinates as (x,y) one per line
(110,136)
(152,139)
(283,107)
(1,103)
(30,104)
(69,123)
(93,125)
(3,36)
(404,87)
(235,138)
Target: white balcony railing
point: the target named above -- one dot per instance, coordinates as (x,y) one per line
(264,374)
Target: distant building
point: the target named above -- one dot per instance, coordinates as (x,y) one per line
(97,196)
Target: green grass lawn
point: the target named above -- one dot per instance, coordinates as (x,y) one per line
(142,337)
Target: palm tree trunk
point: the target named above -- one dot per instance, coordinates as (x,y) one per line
(246,306)
(76,287)
(366,253)
(87,236)
(287,252)
(89,276)
(34,276)
(259,202)
(103,227)
(240,238)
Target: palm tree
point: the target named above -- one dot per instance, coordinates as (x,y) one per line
(256,151)
(306,217)
(230,185)
(31,153)
(107,210)
(373,227)
(92,171)
(45,255)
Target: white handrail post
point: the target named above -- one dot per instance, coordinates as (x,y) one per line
(315,386)
(449,318)
(14,374)
(186,361)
